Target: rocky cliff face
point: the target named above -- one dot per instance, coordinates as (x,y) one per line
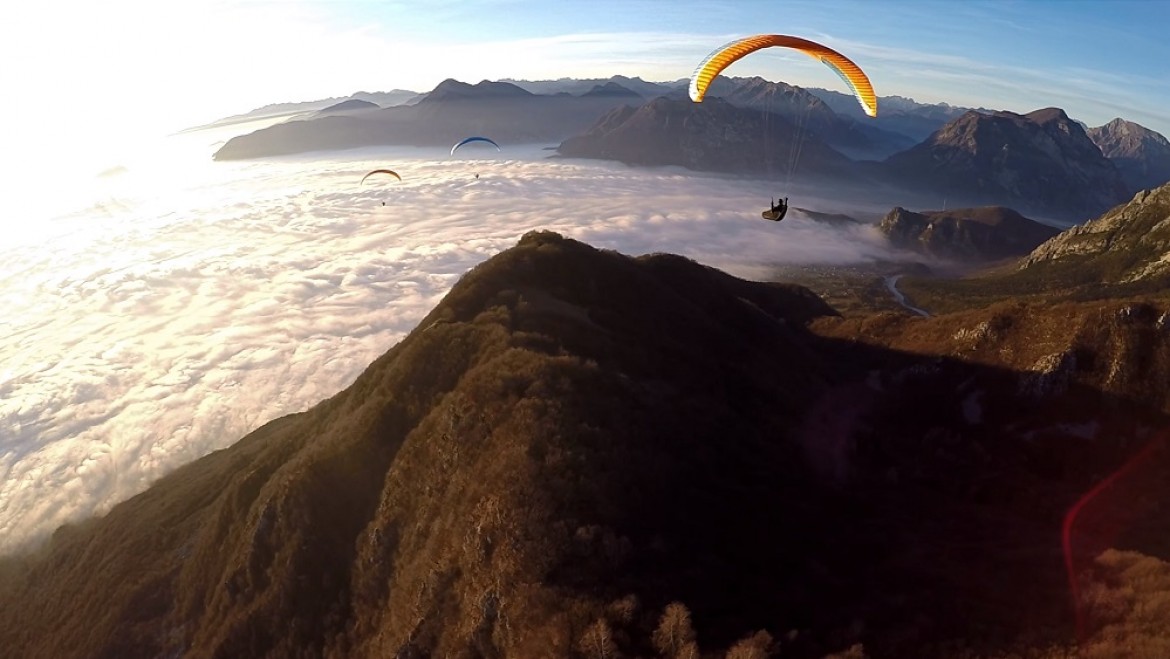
(1129,243)
(1042,163)
(1140,154)
(972,234)
(714,136)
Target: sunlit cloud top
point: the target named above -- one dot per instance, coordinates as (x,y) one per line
(197,302)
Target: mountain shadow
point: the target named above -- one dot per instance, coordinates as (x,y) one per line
(574,439)
(710,136)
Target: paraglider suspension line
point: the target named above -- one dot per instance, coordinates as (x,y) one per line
(797,144)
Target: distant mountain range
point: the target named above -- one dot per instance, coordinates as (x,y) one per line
(858,140)
(576,86)
(383,99)
(854,138)
(714,135)
(348,105)
(1042,163)
(449,112)
(897,114)
(803,107)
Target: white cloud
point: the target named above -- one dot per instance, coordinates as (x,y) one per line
(200,300)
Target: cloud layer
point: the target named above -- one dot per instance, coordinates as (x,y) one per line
(194,301)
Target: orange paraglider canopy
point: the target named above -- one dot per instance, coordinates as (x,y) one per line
(841,65)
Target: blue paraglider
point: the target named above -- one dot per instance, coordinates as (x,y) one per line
(469,140)
(474,139)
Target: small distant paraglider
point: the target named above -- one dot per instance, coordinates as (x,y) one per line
(388,172)
(469,140)
(391,172)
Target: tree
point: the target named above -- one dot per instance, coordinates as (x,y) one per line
(688,651)
(756,646)
(597,642)
(674,630)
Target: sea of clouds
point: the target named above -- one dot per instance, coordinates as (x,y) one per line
(186,302)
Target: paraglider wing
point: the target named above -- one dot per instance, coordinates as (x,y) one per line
(841,65)
(382,171)
(474,139)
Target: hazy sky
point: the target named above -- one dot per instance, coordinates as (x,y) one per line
(88,75)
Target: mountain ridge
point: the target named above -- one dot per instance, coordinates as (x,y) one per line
(449,112)
(1141,155)
(1046,166)
(1129,243)
(714,136)
(1041,163)
(573,439)
(859,140)
(986,233)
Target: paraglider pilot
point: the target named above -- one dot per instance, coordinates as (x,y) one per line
(776,212)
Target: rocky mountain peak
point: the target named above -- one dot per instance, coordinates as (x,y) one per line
(1140,154)
(1042,163)
(1046,115)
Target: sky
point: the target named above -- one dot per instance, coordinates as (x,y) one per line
(93,76)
